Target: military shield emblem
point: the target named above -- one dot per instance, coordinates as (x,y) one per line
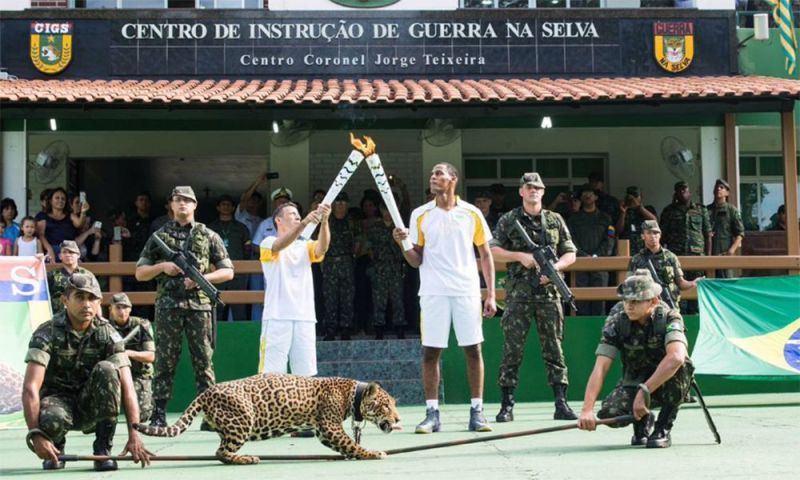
(51,46)
(674,45)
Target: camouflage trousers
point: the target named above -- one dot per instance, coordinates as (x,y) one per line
(338,293)
(98,400)
(144,394)
(671,394)
(170,325)
(516,323)
(387,287)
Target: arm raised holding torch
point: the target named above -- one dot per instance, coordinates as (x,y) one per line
(382,182)
(349,167)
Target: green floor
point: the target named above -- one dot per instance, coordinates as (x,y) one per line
(759,440)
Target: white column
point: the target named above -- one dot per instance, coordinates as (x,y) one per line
(712,161)
(12,169)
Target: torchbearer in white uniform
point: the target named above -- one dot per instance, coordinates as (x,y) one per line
(443,233)
(288,330)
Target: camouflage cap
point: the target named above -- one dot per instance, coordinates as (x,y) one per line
(651,225)
(185,192)
(639,286)
(722,182)
(121,299)
(84,282)
(680,185)
(532,178)
(70,246)
(281,192)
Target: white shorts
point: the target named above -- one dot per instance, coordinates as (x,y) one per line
(437,312)
(289,341)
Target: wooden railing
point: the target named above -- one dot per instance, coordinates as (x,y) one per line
(115,269)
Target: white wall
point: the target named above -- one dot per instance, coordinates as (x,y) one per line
(15,4)
(12,170)
(711,160)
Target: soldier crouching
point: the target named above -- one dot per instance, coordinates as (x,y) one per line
(77,376)
(657,372)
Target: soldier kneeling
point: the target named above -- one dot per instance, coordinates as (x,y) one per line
(650,337)
(76,378)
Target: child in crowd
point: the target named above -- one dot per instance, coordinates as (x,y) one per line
(5,244)
(27,244)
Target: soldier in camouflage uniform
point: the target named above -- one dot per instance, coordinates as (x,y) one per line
(651,340)
(687,229)
(180,305)
(338,280)
(633,213)
(140,349)
(665,263)
(530,297)
(57,279)
(387,277)
(594,236)
(726,224)
(76,378)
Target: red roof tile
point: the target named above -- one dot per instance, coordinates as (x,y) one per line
(386,92)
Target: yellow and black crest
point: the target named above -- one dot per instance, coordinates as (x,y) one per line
(674,45)
(51,46)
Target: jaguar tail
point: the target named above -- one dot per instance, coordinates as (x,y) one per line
(176,428)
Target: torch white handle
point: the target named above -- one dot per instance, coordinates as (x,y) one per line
(349,167)
(382,182)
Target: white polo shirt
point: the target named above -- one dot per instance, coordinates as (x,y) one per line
(448,260)
(290,286)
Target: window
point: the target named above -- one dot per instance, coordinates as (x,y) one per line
(761,189)
(155,4)
(560,173)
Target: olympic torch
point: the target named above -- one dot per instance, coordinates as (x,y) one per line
(349,167)
(382,182)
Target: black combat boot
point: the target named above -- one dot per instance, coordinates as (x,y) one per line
(563,412)
(641,430)
(159,418)
(103,441)
(51,465)
(660,438)
(506,413)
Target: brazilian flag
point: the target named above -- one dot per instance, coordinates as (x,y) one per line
(749,327)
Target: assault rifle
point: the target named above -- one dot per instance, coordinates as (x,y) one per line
(545,256)
(187,262)
(127,338)
(666,297)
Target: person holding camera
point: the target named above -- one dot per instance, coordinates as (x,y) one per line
(632,215)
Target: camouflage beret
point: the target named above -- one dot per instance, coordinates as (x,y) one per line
(120,299)
(639,286)
(84,282)
(185,192)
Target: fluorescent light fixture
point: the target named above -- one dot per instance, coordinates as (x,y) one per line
(53,125)
(487,3)
(547,122)
(275,127)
